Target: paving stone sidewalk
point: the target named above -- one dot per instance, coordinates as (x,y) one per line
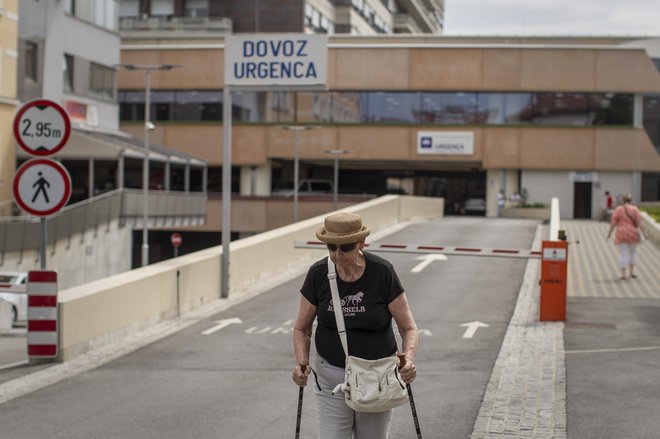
(526,394)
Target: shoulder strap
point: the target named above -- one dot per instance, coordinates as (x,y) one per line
(629,216)
(336,305)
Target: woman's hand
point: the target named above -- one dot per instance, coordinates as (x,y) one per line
(407,370)
(300,374)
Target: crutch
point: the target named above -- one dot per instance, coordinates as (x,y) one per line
(402,362)
(303,367)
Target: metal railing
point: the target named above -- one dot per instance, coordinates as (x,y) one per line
(166,209)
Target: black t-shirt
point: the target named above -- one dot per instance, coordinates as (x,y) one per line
(366,315)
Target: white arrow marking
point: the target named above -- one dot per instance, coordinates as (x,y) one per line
(222,324)
(472,328)
(426,261)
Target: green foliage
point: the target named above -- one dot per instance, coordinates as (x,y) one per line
(533,206)
(654,211)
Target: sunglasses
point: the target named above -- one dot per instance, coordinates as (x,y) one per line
(345,248)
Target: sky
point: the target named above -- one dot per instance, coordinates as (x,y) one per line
(552,17)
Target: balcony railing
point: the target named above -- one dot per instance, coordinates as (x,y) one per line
(166,209)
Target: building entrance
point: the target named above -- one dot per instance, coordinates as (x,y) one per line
(582,200)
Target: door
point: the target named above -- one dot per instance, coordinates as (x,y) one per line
(582,200)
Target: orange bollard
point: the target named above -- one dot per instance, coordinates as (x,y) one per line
(554,261)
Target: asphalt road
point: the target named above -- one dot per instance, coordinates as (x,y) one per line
(235,382)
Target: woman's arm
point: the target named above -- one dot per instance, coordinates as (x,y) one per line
(302,339)
(408,329)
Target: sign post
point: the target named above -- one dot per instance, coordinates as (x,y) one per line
(41,186)
(262,62)
(176,240)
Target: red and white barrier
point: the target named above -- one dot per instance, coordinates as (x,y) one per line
(441,249)
(42,339)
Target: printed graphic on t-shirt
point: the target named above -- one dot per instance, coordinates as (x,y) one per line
(351,304)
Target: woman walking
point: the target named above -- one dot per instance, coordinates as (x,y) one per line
(371,297)
(626,218)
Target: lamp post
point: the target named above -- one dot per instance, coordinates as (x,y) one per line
(148,127)
(296,164)
(336,153)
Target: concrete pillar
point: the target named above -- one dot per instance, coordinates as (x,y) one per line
(255,180)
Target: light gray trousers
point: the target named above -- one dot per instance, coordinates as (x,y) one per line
(336,419)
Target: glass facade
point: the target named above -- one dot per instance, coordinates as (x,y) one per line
(103,13)
(392,107)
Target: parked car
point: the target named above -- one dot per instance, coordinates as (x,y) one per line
(475,205)
(305,187)
(12,290)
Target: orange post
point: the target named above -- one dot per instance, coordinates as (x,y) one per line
(554,261)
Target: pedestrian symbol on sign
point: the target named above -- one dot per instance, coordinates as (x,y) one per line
(41,184)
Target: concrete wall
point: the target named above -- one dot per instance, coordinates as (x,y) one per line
(543,185)
(108,309)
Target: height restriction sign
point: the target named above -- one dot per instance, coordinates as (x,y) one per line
(42,186)
(41,127)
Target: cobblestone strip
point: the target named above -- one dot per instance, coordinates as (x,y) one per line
(526,395)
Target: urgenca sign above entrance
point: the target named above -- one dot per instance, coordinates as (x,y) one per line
(267,60)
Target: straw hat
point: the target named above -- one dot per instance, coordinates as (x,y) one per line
(627,198)
(342,228)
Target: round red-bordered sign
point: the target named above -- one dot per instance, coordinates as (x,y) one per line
(176,239)
(41,186)
(41,127)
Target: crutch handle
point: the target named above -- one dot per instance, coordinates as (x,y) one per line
(402,360)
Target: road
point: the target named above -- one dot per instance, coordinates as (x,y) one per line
(229,376)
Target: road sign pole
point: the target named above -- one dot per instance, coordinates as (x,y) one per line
(44,236)
(226,190)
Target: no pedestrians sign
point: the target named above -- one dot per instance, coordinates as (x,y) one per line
(42,186)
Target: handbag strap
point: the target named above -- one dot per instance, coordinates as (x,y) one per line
(336,305)
(630,217)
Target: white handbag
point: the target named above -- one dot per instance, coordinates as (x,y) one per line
(370,386)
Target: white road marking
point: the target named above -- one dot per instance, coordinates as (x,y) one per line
(472,328)
(222,324)
(426,261)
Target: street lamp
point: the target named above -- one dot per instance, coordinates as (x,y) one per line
(336,153)
(296,166)
(148,127)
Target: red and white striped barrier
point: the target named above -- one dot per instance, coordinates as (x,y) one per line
(42,337)
(440,249)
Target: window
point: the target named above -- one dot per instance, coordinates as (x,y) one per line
(162,7)
(394,107)
(68,72)
(387,107)
(448,108)
(129,8)
(196,8)
(31,65)
(101,81)
(611,109)
(99,12)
